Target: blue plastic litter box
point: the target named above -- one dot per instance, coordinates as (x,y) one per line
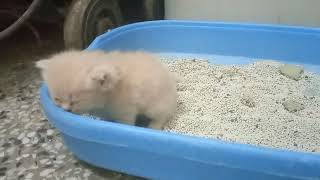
(159,155)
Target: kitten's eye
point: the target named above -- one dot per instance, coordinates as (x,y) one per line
(56,99)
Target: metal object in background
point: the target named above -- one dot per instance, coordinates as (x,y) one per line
(86,19)
(83,19)
(21,21)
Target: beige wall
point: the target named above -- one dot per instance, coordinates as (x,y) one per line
(290,12)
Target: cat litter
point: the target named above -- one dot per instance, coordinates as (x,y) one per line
(255,104)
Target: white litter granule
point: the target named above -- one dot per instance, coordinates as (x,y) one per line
(252,104)
(89,116)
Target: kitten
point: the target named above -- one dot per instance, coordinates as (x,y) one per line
(115,85)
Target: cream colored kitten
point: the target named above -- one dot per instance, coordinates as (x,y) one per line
(115,85)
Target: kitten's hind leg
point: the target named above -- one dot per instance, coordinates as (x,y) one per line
(159,119)
(128,119)
(157,124)
(142,120)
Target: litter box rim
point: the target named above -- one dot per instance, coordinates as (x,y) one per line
(278,162)
(103,38)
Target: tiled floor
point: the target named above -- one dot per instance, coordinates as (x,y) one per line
(30,148)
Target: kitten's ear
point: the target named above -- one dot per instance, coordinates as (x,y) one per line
(104,77)
(42,64)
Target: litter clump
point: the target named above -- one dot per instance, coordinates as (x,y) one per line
(293,106)
(247,101)
(251,104)
(291,71)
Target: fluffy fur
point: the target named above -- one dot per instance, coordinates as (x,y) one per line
(114,85)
